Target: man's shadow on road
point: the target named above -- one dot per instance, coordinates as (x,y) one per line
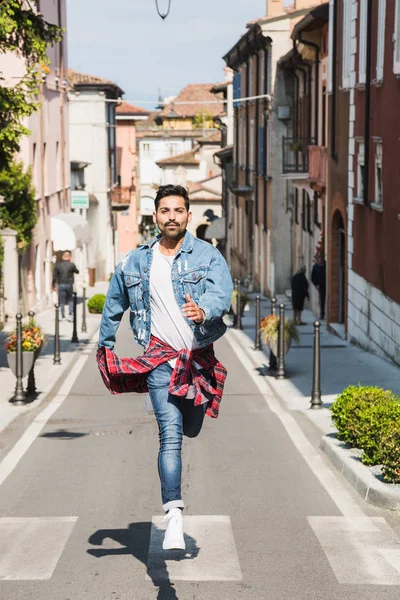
(135,540)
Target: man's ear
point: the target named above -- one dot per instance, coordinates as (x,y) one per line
(154,218)
(190,216)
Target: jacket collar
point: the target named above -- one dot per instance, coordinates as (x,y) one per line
(187,245)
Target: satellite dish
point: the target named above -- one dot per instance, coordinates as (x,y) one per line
(163,15)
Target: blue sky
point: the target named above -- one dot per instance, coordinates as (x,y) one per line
(127,42)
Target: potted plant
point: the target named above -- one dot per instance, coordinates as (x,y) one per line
(269,327)
(32,344)
(96,304)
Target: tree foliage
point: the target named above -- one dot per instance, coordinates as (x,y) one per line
(24,32)
(19,209)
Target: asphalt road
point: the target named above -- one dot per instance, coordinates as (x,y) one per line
(80,513)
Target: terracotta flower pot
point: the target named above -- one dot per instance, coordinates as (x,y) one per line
(27,362)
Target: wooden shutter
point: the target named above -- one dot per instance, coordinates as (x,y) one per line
(396,37)
(380,53)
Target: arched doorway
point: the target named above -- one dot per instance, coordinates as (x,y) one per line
(338,269)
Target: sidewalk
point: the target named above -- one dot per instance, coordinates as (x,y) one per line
(342,364)
(46,374)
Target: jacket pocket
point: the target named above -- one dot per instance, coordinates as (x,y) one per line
(193,282)
(133,284)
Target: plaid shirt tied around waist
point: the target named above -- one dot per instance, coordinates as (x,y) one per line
(122,375)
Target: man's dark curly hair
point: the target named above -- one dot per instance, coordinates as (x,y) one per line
(171,190)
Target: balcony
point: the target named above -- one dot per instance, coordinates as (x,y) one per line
(295,157)
(120,198)
(318,163)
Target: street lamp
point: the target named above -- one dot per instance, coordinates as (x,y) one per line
(161,14)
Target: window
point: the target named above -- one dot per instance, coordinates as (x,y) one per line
(240,153)
(346,55)
(237,87)
(146,150)
(251,77)
(360,172)
(172,149)
(378,175)
(262,62)
(396,37)
(268,150)
(331,33)
(362,48)
(296,205)
(380,54)
(303,210)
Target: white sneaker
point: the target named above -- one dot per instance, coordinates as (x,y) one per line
(173,539)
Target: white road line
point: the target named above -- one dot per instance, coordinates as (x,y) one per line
(11,460)
(343,500)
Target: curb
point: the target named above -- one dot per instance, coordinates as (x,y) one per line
(359,476)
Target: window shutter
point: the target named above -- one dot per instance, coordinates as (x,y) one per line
(380,55)
(268,149)
(346,56)
(362,47)
(261,150)
(331,33)
(396,37)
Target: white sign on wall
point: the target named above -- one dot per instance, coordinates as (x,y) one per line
(79,199)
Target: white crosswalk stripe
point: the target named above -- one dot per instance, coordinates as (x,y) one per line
(30,548)
(210,551)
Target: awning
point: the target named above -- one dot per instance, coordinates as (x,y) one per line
(69,231)
(216,229)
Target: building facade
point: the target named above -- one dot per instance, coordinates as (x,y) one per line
(93,145)
(370,63)
(127,220)
(46,151)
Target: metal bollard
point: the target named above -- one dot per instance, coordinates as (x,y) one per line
(74,338)
(281,374)
(257,334)
(272,358)
(273,306)
(238,306)
(56,355)
(316,401)
(84,327)
(31,387)
(19,396)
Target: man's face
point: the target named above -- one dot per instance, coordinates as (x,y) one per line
(172,217)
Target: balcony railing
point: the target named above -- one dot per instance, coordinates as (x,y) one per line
(295,155)
(318,161)
(120,198)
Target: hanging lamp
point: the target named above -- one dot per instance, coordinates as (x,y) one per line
(163,15)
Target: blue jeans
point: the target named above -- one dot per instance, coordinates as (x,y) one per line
(175,417)
(65,297)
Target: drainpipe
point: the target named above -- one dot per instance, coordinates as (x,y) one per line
(367,105)
(317,61)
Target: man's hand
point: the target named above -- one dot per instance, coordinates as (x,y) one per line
(192,311)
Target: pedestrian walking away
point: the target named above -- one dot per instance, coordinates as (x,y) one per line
(318,278)
(299,293)
(177,288)
(63,275)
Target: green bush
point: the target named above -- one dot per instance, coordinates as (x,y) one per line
(390,453)
(348,407)
(375,422)
(96,303)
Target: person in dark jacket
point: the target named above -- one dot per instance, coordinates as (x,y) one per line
(63,275)
(318,277)
(299,294)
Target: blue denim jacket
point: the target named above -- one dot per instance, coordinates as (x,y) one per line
(198,269)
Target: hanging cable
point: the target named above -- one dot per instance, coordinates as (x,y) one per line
(163,15)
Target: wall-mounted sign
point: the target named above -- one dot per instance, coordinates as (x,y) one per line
(79,199)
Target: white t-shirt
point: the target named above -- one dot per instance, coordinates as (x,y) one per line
(167,320)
